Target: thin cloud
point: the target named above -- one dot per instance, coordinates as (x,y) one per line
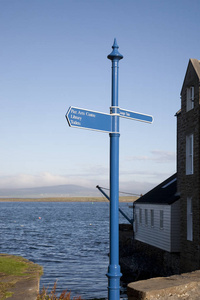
(158,156)
(136,187)
(40,180)
(142,182)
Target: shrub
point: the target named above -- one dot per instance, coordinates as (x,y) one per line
(43,295)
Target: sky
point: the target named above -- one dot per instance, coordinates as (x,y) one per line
(53,55)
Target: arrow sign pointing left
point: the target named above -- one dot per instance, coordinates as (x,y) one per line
(88,119)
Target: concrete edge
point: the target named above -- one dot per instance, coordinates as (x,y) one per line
(163,286)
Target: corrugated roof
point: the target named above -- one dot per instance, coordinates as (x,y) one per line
(164,193)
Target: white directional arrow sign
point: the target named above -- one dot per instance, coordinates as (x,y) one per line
(135,116)
(88,119)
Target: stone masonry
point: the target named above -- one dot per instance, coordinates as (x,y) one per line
(189,185)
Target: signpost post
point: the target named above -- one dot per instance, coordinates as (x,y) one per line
(114,273)
(83,118)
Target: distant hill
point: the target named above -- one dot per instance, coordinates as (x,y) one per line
(49,191)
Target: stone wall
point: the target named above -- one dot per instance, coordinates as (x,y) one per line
(163,263)
(188,185)
(142,261)
(143,265)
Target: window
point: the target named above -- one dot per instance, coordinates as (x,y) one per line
(189,220)
(189,154)
(140,216)
(146,217)
(190,98)
(161,219)
(152,218)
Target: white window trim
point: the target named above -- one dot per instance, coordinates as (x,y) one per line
(190,98)
(189,154)
(189,220)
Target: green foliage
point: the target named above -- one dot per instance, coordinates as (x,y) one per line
(12,266)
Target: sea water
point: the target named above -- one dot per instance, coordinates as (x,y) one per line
(69,239)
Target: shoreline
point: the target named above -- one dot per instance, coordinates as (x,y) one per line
(128,199)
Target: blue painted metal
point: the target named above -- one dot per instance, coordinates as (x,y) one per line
(135,116)
(88,119)
(82,118)
(114,273)
(121,211)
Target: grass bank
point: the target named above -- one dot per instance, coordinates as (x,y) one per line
(14,269)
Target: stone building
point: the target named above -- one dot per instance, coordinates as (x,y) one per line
(186,221)
(188,168)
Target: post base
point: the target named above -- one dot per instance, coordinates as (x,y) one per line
(114,275)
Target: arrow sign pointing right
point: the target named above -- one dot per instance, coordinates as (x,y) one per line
(135,116)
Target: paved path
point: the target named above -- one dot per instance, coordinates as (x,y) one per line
(25,289)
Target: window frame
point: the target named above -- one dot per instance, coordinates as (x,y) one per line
(189,219)
(189,98)
(189,154)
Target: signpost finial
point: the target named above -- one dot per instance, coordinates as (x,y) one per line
(115,44)
(115,53)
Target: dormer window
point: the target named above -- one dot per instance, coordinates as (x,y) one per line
(190,98)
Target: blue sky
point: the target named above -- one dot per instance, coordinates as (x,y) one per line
(53,55)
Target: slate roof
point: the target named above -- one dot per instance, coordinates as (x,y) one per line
(164,193)
(196,65)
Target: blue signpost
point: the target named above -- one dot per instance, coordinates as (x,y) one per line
(83,118)
(114,273)
(135,116)
(88,119)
